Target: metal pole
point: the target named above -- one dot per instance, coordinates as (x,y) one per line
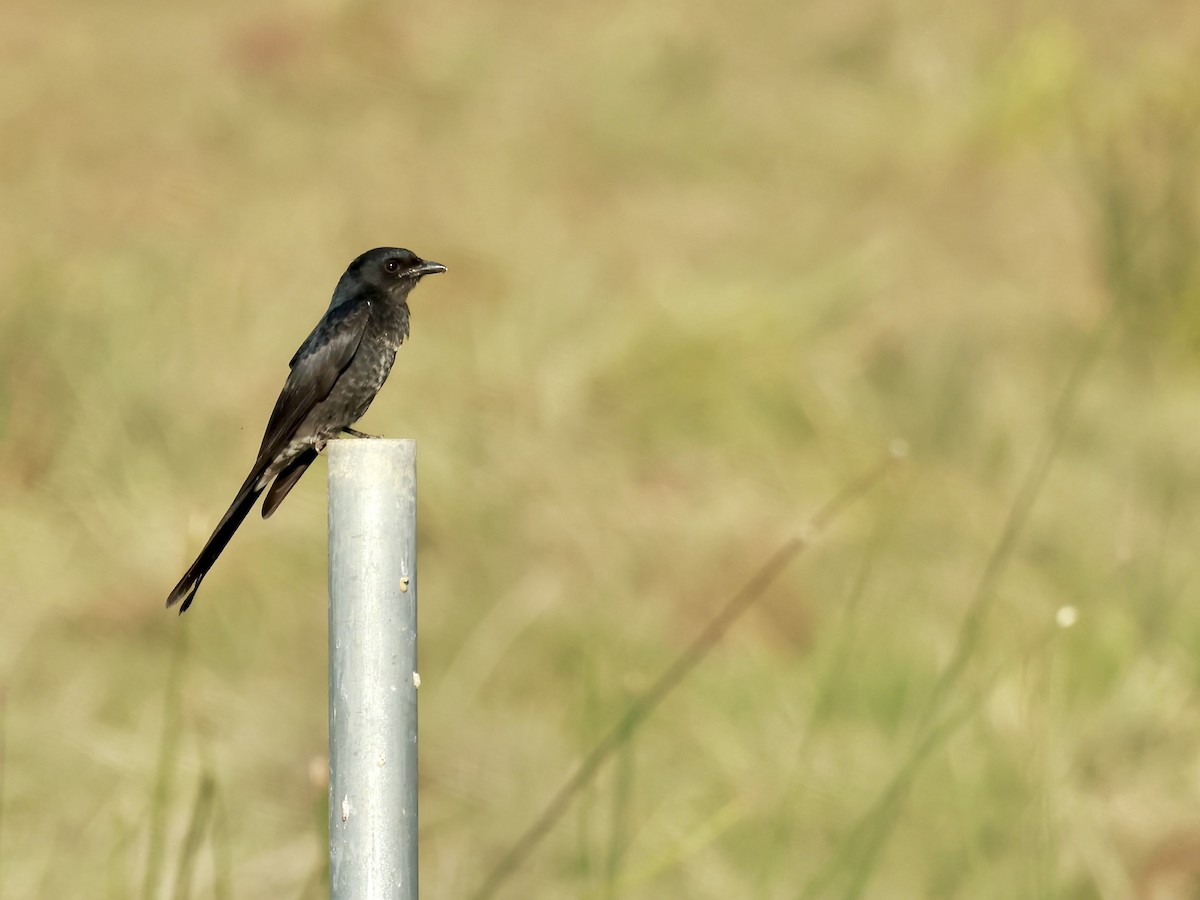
(372,670)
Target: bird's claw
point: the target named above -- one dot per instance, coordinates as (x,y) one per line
(360,434)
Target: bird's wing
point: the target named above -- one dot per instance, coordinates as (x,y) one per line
(316,366)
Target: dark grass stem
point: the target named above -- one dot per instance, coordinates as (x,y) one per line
(618,838)
(168,751)
(218,838)
(700,647)
(202,810)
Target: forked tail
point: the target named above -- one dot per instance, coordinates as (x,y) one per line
(238,510)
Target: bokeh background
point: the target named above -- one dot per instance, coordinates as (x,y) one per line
(706,262)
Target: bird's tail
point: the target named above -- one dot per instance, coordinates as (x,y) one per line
(241,506)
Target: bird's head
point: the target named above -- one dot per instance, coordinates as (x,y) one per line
(391,270)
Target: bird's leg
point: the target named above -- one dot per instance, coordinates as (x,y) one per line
(360,434)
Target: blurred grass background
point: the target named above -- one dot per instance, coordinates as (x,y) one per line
(705,262)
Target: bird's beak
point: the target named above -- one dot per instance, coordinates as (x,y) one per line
(428,268)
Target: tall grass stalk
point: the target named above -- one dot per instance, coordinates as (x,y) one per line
(638,711)
(859,853)
(168,753)
(202,811)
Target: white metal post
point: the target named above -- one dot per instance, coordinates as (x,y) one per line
(372,670)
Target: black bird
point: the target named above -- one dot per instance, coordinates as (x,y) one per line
(335,375)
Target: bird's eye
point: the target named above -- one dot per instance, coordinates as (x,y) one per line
(392,265)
